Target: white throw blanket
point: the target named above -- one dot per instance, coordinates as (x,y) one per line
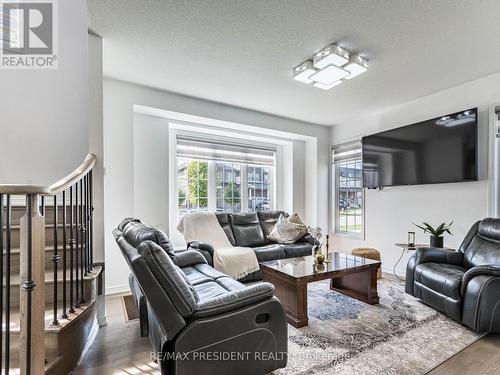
(203,226)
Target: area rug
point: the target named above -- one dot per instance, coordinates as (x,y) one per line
(398,336)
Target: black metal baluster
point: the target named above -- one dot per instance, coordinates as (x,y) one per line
(82,242)
(55,260)
(8,219)
(42,206)
(91,192)
(29,284)
(64,314)
(77,245)
(71,250)
(85,222)
(1,283)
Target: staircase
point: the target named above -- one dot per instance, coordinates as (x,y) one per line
(49,280)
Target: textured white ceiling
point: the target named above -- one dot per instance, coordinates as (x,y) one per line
(241,52)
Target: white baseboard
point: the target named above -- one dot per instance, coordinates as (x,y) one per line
(118,289)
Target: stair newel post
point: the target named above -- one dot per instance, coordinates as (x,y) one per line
(77,245)
(1,281)
(71,250)
(64,265)
(82,242)
(32,298)
(55,260)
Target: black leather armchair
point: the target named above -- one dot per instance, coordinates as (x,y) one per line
(199,320)
(465,285)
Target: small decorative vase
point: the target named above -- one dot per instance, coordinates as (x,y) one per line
(437,241)
(320,267)
(320,258)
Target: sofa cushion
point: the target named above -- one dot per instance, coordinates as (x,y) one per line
(173,281)
(224,222)
(135,232)
(201,273)
(268,220)
(442,278)
(212,289)
(246,229)
(298,249)
(269,252)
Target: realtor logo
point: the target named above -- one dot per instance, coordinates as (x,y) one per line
(28,30)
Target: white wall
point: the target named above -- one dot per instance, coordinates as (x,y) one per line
(390,212)
(129,150)
(44,112)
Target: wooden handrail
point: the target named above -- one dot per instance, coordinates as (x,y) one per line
(55,188)
(74,176)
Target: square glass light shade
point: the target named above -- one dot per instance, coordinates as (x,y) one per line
(356,66)
(326,87)
(304,71)
(331,55)
(329,75)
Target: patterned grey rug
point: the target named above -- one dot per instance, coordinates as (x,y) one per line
(345,336)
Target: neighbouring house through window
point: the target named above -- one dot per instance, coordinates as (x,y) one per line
(223,177)
(348,190)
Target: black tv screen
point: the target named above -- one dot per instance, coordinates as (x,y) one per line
(440,150)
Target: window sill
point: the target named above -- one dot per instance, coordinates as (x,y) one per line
(352,236)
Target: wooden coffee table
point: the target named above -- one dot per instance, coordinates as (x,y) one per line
(351,275)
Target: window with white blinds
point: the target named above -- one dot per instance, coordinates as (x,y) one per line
(347,171)
(223,177)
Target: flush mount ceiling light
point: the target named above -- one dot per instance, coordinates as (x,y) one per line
(329,75)
(326,87)
(330,67)
(304,71)
(332,54)
(356,66)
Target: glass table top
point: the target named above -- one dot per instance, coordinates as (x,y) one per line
(305,266)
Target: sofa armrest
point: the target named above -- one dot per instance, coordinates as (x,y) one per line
(234,300)
(488,270)
(188,258)
(438,255)
(205,249)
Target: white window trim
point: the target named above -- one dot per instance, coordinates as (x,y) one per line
(179,242)
(335,206)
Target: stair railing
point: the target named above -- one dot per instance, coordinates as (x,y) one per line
(72,260)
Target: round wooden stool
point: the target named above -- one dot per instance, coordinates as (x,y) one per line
(369,253)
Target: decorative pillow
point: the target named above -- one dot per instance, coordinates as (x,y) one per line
(286,232)
(295,218)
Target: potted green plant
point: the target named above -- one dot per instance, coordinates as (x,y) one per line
(436,234)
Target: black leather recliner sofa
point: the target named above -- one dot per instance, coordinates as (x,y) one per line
(465,285)
(250,229)
(199,320)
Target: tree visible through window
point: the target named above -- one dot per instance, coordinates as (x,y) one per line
(349,199)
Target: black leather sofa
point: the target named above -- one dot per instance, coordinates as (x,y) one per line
(250,229)
(199,320)
(463,284)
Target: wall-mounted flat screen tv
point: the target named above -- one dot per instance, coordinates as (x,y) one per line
(440,150)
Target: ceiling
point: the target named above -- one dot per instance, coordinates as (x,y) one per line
(241,52)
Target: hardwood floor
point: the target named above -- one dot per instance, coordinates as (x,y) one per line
(119,350)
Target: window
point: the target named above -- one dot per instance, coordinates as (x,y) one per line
(348,193)
(259,188)
(223,177)
(228,186)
